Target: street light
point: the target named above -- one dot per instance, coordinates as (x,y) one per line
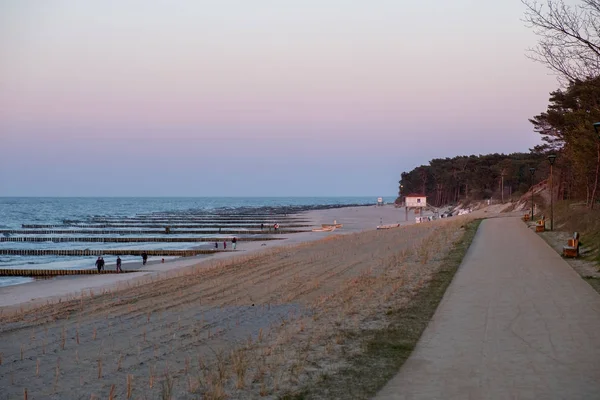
(551,159)
(532,171)
(502,186)
(597,128)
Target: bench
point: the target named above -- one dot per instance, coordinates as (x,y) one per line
(540,225)
(572,247)
(526,217)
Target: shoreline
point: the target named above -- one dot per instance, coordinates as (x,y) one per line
(354,218)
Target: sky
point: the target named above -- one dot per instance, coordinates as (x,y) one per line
(257,98)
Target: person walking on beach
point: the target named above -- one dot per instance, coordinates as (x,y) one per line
(99,264)
(144,258)
(119,264)
(224,244)
(234,242)
(216,245)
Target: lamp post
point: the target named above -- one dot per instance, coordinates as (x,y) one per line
(551,159)
(597,129)
(400,190)
(502,186)
(532,171)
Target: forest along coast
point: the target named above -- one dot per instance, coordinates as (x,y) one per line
(268,323)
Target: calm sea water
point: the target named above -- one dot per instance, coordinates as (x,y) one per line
(15,211)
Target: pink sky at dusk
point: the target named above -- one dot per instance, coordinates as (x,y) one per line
(256,98)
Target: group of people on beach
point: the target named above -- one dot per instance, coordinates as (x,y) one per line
(100,264)
(233,244)
(275,227)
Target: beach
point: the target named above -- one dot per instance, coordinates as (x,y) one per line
(355,219)
(255,323)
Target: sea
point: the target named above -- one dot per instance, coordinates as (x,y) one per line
(15,211)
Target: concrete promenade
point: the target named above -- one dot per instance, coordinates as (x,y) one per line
(516,323)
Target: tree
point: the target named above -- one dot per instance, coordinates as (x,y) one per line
(566,128)
(569,37)
(448,180)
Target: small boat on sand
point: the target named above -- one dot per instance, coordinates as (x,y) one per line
(325,229)
(388,226)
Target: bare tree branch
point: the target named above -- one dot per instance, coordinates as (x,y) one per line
(569,37)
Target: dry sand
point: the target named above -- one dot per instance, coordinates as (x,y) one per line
(249,325)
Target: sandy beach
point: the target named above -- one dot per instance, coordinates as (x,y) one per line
(355,219)
(256,323)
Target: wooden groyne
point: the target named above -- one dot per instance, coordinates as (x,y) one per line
(56,272)
(196,215)
(183,219)
(34,239)
(87,252)
(146,232)
(171,226)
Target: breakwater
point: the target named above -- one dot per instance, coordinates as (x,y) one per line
(146,232)
(56,272)
(105,252)
(186,219)
(36,239)
(232,224)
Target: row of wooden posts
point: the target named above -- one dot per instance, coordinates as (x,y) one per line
(193,215)
(175,220)
(123,252)
(55,272)
(270,231)
(178,226)
(35,239)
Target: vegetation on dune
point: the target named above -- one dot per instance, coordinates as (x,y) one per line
(566,130)
(449,180)
(574,217)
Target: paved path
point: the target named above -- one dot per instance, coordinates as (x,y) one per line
(516,323)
